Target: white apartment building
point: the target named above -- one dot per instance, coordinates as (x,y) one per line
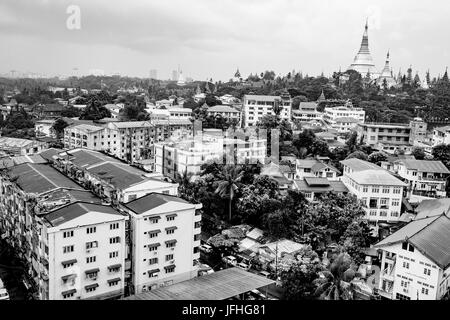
(84,246)
(426,179)
(84,136)
(441,136)
(178,112)
(379,191)
(257,106)
(344,124)
(331,114)
(416,260)
(189,155)
(224,111)
(166,240)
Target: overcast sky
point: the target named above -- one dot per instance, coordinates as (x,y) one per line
(211,38)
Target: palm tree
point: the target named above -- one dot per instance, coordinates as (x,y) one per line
(334,283)
(184,181)
(230,178)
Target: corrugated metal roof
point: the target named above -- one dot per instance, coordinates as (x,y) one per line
(429,235)
(75,210)
(151,201)
(334,186)
(360,165)
(425,165)
(375,177)
(219,285)
(431,208)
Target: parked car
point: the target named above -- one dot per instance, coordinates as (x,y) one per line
(4,294)
(243,266)
(264,274)
(258,295)
(230,260)
(206,248)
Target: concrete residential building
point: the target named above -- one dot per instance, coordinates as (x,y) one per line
(306,112)
(312,186)
(379,191)
(178,112)
(166,240)
(21,147)
(110,178)
(189,155)
(224,111)
(84,136)
(43,128)
(85,251)
(257,106)
(425,179)
(347,111)
(441,136)
(315,168)
(390,137)
(416,260)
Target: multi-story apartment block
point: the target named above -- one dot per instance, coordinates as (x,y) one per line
(415,261)
(315,168)
(110,178)
(379,191)
(441,136)
(84,252)
(166,240)
(390,137)
(257,106)
(131,141)
(178,112)
(189,155)
(425,179)
(37,206)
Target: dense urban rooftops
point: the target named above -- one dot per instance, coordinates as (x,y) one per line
(375,177)
(425,165)
(359,165)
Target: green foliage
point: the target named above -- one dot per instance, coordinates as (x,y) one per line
(58,126)
(377,157)
(418,153)
(358,155)
(442,153)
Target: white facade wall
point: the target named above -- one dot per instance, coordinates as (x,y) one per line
(56,242)
(255,110)
(183,252)
(409,267)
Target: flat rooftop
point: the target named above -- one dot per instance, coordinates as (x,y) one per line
(219,285)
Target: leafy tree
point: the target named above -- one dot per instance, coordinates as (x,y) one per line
(58,126)
(71,112)
(95,110)
(442,152)
(298,280)
(358,155)
(356,238)
(418,153)
(377,158)
(319,148)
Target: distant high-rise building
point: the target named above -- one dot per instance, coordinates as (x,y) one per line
(174,75)
(153,74)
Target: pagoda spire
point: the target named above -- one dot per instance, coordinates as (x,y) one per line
(365,40)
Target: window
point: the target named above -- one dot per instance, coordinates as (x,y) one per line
(68,249)
(399,296)
(90,289)
(113,254)
(153,220)
(170,269)
(197,237)
(405,245)
(426,271)
(67,295)
(170,244)
(68,234)
(386,189)
(424,291)
(114,240)
(113,283)
(92,244)
(91,230)
(196,249)
(405,265)
(308,194)
(114,226)
(91,259)
(395,202)
(169,257)
(171,218)
(153,261)
(154,233)
(397,190)
(68,265)
(394,214)
(375,189)
(197,224)
(365,189)
(411,248)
